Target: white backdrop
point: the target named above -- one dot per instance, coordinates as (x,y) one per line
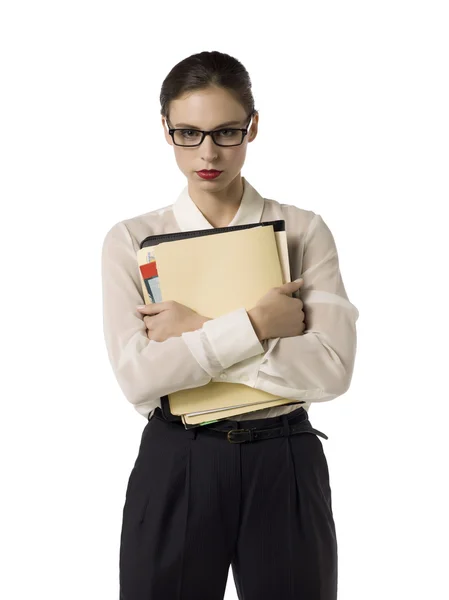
(354,125)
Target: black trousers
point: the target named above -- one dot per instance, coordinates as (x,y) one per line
(197,504)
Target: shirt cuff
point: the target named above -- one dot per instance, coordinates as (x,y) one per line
(232,337)
(199,346)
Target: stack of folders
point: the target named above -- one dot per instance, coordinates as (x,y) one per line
(213,272)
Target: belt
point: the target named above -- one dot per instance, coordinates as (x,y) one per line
(236,436)
(253,434)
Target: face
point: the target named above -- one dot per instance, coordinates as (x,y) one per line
(207,110)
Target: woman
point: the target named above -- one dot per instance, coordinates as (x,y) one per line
(197,504)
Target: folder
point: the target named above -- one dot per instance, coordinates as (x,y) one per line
(213,272)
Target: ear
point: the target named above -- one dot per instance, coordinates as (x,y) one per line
(252,132)
(165,128)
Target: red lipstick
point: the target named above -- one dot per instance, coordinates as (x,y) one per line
(212,174)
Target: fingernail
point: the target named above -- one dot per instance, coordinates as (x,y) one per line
(141,306)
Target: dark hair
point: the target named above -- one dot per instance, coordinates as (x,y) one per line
(204,69)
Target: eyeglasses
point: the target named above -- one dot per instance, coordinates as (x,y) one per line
(221,137)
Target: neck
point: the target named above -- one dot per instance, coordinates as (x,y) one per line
(221,206)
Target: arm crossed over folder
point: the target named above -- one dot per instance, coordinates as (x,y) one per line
(317,365)
(222,273)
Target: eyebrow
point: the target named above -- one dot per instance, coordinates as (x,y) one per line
(217,127)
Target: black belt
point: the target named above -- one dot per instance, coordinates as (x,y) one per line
(254,434)
(299,423)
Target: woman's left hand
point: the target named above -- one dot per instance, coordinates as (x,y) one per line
(169,319)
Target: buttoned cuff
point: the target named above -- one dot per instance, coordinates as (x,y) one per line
(232,337)
(201,350)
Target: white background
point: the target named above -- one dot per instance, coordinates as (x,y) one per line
(353,101)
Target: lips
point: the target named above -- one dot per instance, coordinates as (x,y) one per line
(212,174)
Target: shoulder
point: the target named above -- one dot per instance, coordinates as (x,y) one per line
(138,227)
(296,219)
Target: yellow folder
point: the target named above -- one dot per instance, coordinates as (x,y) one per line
(215,272)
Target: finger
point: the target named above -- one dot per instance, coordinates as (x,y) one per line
(292,285)
(152,309)
(297,282)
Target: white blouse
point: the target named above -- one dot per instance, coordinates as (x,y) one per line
(313,367)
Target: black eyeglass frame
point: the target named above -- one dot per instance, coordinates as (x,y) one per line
(244,131)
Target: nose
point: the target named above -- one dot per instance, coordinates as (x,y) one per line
(208,148)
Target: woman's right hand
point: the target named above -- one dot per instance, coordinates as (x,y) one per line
(277,314)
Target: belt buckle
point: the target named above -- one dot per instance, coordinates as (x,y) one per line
(235,441)
(238,431)
(229,440)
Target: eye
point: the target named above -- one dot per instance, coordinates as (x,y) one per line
(229,132)
(189,133)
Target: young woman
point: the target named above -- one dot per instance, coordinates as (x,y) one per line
(201,500)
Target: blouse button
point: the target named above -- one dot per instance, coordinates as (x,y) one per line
(223,376)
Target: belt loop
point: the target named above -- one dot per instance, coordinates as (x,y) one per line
(285,426)
(193,433)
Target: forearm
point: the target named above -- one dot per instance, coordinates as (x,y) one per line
(255,316)
(310,367)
